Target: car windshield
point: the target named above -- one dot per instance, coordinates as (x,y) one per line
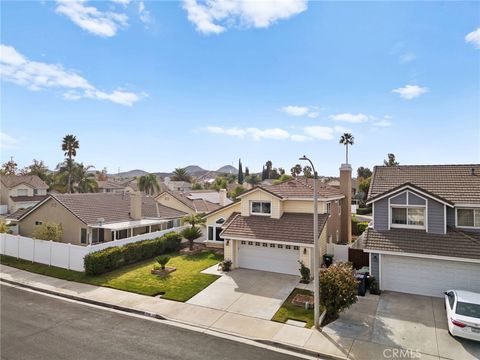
(468,309)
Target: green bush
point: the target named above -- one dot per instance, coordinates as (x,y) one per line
(112,258)
(162,260)
(361,227)
(364,211)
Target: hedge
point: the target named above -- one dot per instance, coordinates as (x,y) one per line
(102,261)
(358,227)
(364,211)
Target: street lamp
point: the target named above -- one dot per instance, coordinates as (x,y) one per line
(316,249)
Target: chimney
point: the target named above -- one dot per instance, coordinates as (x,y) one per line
(222,197)
(346,189)
(136,205)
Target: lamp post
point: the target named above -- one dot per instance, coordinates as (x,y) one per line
(316,249)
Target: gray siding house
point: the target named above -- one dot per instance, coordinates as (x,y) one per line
(425,237)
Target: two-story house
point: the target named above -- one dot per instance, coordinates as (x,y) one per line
(270,227)
(20,192)
(194,201)
(425,237)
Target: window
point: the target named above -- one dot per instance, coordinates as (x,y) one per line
(296,248)
(250,243)
(280,246)
(244,242)
(408,216)
(288,247)
(83,236)
(38,223)
(35,192)
(272,245)
(122,234)
(468,217)
(264,244)
(468,309)
(261,207)
(329,206)
(339,207)
(214,233)
(337,237)
(257,244)
(22,192)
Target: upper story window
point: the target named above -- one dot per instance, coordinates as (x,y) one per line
(22,192)
(261,207)
(412,217)
(329,208)
(339,207)
(468,217)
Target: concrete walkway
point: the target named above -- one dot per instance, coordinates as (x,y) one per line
(329,343)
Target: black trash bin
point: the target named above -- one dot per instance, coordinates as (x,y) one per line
(327,260)
(362,283)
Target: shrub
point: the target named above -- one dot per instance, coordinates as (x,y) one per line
(109,259)
(48,231)
(226,265)
(338,288)
(361,227)
(374,287)
(162,260)
(191,234)
(304,272)
(364,211)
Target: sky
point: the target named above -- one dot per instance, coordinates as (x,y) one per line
(155,85)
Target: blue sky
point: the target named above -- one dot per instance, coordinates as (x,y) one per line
(158,85)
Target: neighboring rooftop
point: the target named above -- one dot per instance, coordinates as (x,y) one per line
(452,244)
(112,207)
(33,181)
(34,198)
(302,188)
(455,183)
(266,228)
(199,200)
(107,184)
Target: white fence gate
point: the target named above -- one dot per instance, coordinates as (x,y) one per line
(62,255)
(339,252)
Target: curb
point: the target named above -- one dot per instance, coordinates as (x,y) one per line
(272,343)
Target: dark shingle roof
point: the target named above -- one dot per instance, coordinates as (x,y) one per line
(452,244)
(90,207)
(455,183)
(34,181)
(291,227)
(107,184)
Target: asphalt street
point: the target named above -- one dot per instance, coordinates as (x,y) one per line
(35,326)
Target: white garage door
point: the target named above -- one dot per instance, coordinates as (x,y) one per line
(427,276)
(269,257)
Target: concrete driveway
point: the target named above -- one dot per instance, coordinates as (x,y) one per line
(381,324)
(247,292)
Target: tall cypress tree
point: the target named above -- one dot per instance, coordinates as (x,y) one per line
(264,173)
(247,171)
(240,172)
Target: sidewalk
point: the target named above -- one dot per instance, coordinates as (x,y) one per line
(306,341)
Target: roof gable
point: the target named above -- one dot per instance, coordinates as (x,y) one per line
(408,186)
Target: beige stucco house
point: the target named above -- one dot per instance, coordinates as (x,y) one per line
(270,227)
(194,201)
(100,217)
(20,192)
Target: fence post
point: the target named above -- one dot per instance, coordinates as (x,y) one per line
(69,247)
(50,262)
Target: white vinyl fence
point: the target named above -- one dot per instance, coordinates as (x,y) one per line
(62,255)
(339,252)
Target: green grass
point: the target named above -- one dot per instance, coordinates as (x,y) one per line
(180,285)
(293,312)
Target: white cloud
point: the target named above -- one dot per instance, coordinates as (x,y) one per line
(15,68)
(474,38)
(319,132)
(382,123)
(232,131)
(7,141)
(407,57)
(144,14)
(295,110)
(410,91)
(121,2)
(300,138)
(216,16)
(348,117)
(89,18)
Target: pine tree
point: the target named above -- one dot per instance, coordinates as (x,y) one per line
(247,171)
(240,172)
(264,173)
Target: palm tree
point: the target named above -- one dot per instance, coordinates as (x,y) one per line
(70,145)
(191,234)
(296,170)
(85,179)
(148,184)
(181,174)
(194,219)
(346,139)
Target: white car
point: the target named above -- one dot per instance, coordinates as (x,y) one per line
(463,313)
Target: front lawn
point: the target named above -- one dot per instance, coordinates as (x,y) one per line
(293,312)
(180,285)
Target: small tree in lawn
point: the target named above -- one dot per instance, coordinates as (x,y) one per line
(162,260)
(191,234)
(48,231)
(338,289)
(194,219)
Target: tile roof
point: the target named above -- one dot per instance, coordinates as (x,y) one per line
(109,185)
(16,215)
(291,227)
(28,198)
(455,183)
(34,181)
(204,201)
(302,188)
(89,207)
(452,244)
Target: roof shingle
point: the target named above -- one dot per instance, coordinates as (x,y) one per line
(34,181)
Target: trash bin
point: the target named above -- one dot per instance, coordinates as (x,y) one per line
(362,284)
(327,260)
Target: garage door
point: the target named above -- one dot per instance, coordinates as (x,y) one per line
(427,276)
(269,257)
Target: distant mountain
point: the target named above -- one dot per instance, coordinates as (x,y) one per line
(131,173)
(229,169)
(195,170)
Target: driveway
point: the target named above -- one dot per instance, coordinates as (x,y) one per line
(380,324)
(247,292)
